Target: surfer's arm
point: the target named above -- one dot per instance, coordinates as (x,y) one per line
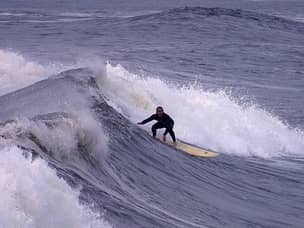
(147,120)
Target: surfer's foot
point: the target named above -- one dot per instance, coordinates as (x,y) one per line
(164,138)
(174,143)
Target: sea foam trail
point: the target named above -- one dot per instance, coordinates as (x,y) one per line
(33,196)
(209,119)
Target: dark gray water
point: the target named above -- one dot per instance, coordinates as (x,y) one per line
(76,77)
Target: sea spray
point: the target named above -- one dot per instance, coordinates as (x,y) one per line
(212,119)
(33,196)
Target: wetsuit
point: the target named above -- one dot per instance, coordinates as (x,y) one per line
(164,121)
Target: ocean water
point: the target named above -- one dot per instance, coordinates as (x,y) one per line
(76,77)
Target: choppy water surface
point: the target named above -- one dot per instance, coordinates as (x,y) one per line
(76,77)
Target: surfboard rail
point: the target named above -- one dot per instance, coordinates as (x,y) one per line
(191,149)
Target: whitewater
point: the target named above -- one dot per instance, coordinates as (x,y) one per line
(74,85)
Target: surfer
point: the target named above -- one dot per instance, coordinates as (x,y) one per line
(163,121)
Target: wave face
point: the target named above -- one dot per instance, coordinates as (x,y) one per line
(232,127)
(124,174)
(75,78)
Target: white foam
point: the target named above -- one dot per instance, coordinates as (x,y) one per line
(76,14)
(33,196)
(296,17)
(17,72)
(63,138)
(209,119)
(12,14)
(299,18)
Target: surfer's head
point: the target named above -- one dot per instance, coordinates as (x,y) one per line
(159,111)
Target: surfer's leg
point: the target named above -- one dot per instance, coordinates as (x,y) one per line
(156,126)
(169,130)
(172,134)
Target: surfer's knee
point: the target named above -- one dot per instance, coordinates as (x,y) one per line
(154,127)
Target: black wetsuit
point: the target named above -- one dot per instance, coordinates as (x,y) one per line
(164,121)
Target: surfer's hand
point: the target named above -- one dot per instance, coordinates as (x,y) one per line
(139,123)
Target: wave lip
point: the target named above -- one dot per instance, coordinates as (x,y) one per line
(17,71)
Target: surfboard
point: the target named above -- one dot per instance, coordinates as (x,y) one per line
(191,149)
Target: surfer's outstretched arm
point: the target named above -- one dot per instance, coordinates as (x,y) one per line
(147,120)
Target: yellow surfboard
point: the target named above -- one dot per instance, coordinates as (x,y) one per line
(191,149)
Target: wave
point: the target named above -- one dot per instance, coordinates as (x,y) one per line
(67,140)
(30,129)
(16,71)
(209,119)
(185,15)
(79,14)
(199,14)
(123,171)
(37,16)
(297,17)
(232,127)
(34,196)
(12,14)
